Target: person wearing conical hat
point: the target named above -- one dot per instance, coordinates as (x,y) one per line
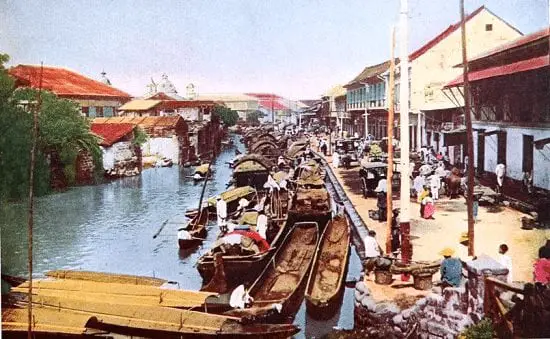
(451,269)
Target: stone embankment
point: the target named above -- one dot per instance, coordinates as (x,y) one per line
(441,314)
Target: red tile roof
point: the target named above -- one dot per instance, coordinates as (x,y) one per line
(111,133)
(144,122)
(516,67)
(65,83)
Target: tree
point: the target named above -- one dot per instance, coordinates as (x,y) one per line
(63,133)
(253,118)
(228,116)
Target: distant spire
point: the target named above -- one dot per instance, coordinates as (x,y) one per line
(104,78)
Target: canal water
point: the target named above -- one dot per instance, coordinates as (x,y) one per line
(110,228)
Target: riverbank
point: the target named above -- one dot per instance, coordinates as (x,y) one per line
(495,225)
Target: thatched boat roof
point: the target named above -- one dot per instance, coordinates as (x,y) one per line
(233,194)
(256,162)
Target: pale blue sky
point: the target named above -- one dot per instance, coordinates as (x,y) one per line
(296,48)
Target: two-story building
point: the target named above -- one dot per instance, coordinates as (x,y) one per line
(510,88)
(432,66)
(366,98)
(96,99)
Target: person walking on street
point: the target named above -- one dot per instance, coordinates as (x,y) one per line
(381,202)
(500,170)
(505,261)
(435,185)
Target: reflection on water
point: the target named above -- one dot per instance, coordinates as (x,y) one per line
(110,228)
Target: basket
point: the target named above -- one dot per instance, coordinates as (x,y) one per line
(383,277)
(422,281)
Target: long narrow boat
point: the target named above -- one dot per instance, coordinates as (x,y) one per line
(283,280)
(195,231)
(329,268)
(106,277)
(148,321)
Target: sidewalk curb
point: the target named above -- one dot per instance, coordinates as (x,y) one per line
(359,226)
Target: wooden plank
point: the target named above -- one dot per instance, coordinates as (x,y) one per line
(504,285)
(105,277)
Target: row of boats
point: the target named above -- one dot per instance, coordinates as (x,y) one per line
(252,285)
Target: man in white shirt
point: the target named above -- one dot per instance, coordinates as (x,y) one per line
(261,224)
(221,211)
(500,170)
(505,261)
(372,251)
(435,185)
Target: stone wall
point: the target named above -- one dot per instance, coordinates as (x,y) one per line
(84,168)
(441,314)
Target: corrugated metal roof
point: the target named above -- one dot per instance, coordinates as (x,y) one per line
(139,105)
(111,133)
(370,71)
(516,67)
(64,82)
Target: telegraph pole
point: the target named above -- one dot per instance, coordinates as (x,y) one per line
(469,135)
(389,196)
(405,200)
(366,111)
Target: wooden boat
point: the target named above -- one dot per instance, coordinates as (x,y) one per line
(117,293)
(240,269)
(329,269)
(201,172)
(196,230)
(283,280)
(311,204)
(144,321)
(106,277)
(231,197)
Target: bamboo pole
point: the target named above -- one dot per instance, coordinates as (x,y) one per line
(469,135)
(389,196)
(30,223)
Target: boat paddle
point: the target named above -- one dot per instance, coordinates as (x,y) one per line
(160,229)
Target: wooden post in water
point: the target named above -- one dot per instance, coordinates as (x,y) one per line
(204,184)
(389,195)
(469,135)
(30,223)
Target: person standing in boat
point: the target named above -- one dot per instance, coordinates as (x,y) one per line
(261,224)
(221,211)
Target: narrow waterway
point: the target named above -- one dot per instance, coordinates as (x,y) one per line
(110,228)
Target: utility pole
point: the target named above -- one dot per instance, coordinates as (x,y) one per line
(419,131)
(30,223)
(272,113)
(389,196)
(405,200)
(366,111)
(469,135)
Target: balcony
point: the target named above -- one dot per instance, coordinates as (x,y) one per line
(372,104)
(340,115)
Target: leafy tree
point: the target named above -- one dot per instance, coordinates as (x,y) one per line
(228,116)
(62,131)
(253,118)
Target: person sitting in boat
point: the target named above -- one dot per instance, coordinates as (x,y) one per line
(221,211)
(197,176)
(183,234)
(261,224)
(261,204)
(281,163)
(240,298)
(243,203)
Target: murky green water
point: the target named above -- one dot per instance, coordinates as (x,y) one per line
(110,228)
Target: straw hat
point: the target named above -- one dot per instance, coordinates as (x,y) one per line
(447,252)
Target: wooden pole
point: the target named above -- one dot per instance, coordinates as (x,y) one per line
(405,192)
(469,135)
(389,196)
(204,184)
(30,223)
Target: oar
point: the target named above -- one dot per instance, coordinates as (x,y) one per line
(160,229)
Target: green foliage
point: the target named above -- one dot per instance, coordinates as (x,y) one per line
(61,130)
(140,137)
(481,330)
(253,118)
(228,116)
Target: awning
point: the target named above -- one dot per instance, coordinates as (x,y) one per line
(139,105)
(516,67)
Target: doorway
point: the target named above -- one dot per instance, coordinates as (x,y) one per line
(501,148)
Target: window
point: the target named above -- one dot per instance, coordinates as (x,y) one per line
(99,111)
(488,27)
(91,111)
(527,153)
(85,111)
(107,111)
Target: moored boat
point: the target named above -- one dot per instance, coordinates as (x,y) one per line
(195,231)
(328,272)
(282,282)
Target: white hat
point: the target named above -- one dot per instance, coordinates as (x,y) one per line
(382,186)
